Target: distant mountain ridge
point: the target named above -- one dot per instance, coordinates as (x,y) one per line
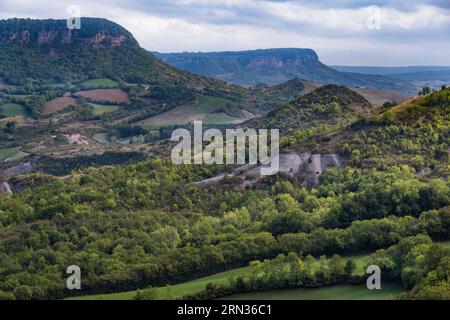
(248,67)
(390,70)
(432,76)
(274,66)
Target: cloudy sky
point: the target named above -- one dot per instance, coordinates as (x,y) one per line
(343,32)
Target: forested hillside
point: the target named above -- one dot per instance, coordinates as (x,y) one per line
(133,226)
(86,177)
(54,54)
(326,105)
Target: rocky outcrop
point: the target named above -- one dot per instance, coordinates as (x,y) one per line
(54,34)
(76,138)
(305,167)
(313,168)
(101,39)
(19,169)
(5,188)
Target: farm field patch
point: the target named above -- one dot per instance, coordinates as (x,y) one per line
(12,110)
(100,109)
(58,104)
(11,154)
(105,96)
(202,109)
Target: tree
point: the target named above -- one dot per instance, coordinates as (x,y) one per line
(23,293)
(336,267)
(333,108)
(350,267)
(10,127)
(440,291)
(426,91)
(6,296)
(147,294)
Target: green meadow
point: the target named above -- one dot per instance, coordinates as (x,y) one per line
(11,154)
(99,84)
(203,108)
(342,292)
(174,291)
(100,109)
(12,110)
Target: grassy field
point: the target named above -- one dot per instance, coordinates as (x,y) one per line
(219,118)
(379,96)
(99,84)
(190,287)
(100,109)
(202,108)
(11,154)
(101,137)
(178,290)
(343,292)
(12,110)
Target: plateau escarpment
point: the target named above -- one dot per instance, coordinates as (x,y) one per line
(274,66)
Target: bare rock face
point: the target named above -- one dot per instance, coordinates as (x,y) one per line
(305,167)
(46,37)
(101,39)
(19,169)
(54,34)
(5,188)
(315,165)
(76,138)
(290,164)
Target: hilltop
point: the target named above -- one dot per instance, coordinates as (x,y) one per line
(328,104)
(414,132)
(420,108)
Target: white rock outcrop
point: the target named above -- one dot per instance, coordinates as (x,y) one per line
(305,167)
(5,188)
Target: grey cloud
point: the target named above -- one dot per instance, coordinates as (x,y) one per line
(279,20)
